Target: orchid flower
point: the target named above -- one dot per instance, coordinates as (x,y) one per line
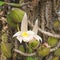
(25,34)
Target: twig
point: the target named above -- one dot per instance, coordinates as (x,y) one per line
(24,54)
(17,5)
(45,32)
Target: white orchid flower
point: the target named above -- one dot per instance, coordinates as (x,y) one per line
(25,34)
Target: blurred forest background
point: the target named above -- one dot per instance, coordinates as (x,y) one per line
(48,14)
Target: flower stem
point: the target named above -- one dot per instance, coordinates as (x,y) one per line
(18,27)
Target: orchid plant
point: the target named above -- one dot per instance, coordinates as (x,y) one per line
(25,34)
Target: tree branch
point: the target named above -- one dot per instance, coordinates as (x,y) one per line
(24,54)
(17,5)
(53,49)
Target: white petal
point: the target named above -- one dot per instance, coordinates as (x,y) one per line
(19,38)
(27,39)
(24,23)
(17,34)
(30,32)
(38,37)
(35,28)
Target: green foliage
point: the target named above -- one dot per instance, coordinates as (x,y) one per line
(57,52)
(43,51)
(2,3)
(21,48)
(6,49)
(52,41)
(15,16)
(10,22)
(4,37)
(30,50)
(32,58)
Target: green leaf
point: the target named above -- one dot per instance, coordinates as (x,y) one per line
(2,3)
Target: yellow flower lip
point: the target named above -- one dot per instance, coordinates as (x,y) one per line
(24,34)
